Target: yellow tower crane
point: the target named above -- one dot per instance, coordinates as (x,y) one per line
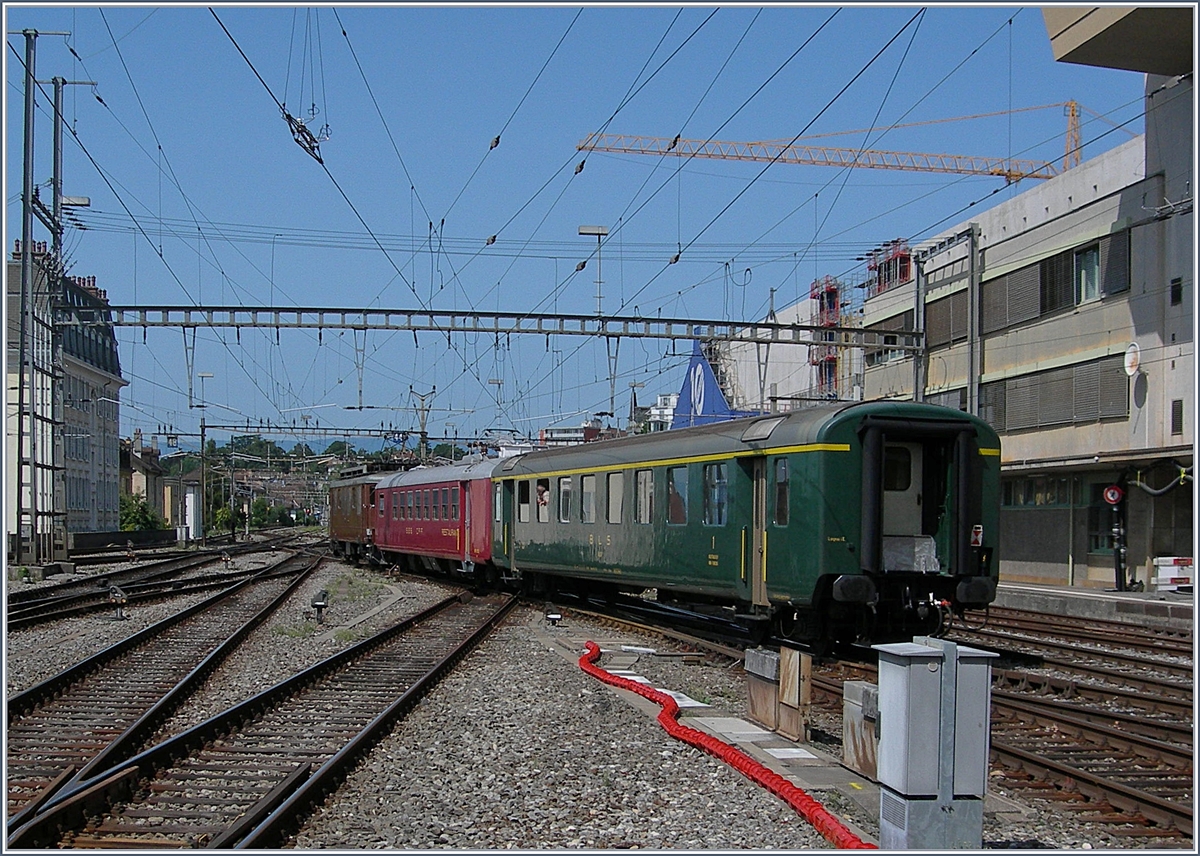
(800,152)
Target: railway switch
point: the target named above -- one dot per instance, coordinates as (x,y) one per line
(933,719)
(320,602)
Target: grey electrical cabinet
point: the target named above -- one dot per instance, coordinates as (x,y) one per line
(910,681)
(934,714)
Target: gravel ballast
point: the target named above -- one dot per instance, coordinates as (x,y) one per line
(518,747)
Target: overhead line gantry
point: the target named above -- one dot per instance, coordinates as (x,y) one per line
(493,323)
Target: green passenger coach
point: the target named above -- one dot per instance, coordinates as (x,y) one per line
(838,522)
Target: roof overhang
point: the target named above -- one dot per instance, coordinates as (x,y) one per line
(1151,39)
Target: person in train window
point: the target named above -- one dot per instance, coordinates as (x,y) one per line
(676,506)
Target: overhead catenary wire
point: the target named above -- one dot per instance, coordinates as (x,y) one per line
(631,92)
(496,140)
(110,182)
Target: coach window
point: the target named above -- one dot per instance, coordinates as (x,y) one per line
(616,496)
(643,499)
(897,468)
(564,500)
(395,504)
(410,511)
(497,506)
(587,499)
(436,508)
(523,501)
(454,503)
(781,492)
(425,513)
(543,500)
(445,503)
(383,504)
(677,484)
(716,494)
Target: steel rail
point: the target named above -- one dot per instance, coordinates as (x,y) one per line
(1164,813)
(1101,630)
(91,737)
(1178,708)
(373,667)
(1081,639)
(100,601)
(1180,670)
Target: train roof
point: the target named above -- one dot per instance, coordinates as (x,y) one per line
(368,478)
(809,426)
(437,475)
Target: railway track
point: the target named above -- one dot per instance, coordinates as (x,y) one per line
(1112,634)
(1140,786)
(93,585)
(1068,744)
(101,600)
(245,777)
(74,725)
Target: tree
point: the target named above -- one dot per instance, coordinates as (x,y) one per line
(137,515)
(259,512)
(447,450)
(340,448)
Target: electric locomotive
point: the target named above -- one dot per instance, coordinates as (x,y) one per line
(351,498)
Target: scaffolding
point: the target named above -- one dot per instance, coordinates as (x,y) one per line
(825,294)
(890,265)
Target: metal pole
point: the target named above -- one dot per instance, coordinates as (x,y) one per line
(203,492)
(919,357)
(56,178)
(599,295)
(973,343)
(24,423)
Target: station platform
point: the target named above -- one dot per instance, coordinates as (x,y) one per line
(1172,609)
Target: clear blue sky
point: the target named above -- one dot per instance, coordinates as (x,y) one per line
(188,154)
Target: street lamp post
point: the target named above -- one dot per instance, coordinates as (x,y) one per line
(599,232)
(203,377)
(203,474)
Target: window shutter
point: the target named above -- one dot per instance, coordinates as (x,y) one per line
(1021,402)
(1024,294)
(1087,392)
(958,316)
(937,323)
(1113,388)
(1057,285)
(993,305)
(1114,263)
(1055,406)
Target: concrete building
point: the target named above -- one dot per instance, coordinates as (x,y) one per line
(1064,317)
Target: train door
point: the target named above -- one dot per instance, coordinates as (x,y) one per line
(903,478)
(508,506)
(758,547)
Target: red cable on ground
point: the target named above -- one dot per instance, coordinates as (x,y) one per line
(825,823)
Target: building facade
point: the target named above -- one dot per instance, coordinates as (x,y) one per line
(1064,317)
(62,415)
